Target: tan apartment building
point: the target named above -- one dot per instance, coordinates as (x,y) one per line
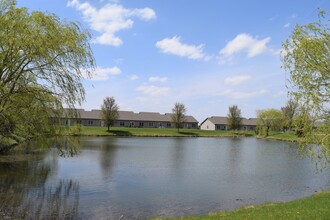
(220,123)
(127,119)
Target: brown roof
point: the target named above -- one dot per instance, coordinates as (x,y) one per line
(218,120)
(250,121)
(131,116)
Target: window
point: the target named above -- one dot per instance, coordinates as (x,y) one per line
(121,123)
(90,122)
(168,125)
(151,124)
(221,127)
(141,124)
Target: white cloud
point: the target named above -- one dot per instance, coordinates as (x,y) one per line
(243,42)
(175,47)
(241,95)
(157,79)
(286,25)
(134,77)
(110,19)
(153,90)
(236,80)
(102,73)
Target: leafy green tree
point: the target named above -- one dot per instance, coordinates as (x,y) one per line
(42,60)
(307,58)
(234,118)
(302,124)
(109,111)
(269,119)
(289,111)
(178,116)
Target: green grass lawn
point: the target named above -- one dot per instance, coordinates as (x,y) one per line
(284,136)
(171,132)
(155,132)
(314,207)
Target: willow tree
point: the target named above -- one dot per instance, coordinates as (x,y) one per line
(289,111)
(41,62)
(307,58)
(269,119)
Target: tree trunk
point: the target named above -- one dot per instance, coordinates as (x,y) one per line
(267,131)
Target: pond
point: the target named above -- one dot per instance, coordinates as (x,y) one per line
(138,178)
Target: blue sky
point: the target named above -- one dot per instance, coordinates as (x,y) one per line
(206,54)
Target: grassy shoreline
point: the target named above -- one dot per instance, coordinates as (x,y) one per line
(312,207)
(169,132)
(6,144)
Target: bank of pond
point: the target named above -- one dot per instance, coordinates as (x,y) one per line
(311,207)
(143,177)
(170,132)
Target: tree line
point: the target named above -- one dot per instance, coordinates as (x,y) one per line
(285,119)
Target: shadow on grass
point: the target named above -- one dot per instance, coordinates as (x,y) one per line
(241,133)
(120,133)
(188,133)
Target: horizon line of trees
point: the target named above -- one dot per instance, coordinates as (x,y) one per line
(291,117)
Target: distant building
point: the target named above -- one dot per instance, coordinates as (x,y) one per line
(249,124)
(220,123)
(126,119)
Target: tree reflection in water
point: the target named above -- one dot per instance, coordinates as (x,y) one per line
(60,202)
(27,192)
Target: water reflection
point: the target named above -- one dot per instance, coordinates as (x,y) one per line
(26,191)
(107,157)
(178,155)
(234,155)
(138,178)
(60,202)
(66,146)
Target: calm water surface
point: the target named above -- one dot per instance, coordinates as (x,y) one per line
(137,178)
